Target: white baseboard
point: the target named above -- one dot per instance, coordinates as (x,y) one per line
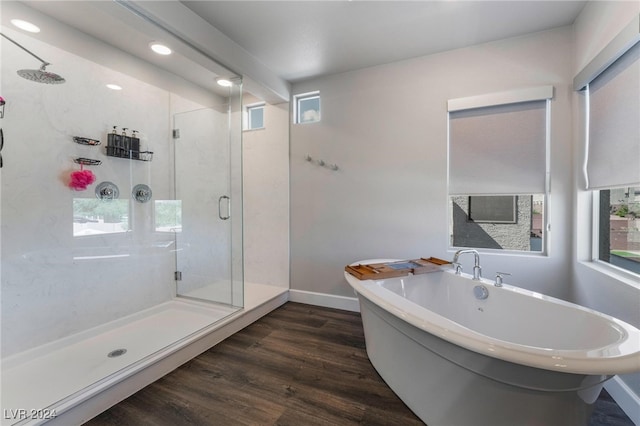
(325,300)
(625,397)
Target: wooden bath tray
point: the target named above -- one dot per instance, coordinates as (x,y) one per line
(377,271)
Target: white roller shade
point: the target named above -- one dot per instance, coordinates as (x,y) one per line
(498,149)
(614,124)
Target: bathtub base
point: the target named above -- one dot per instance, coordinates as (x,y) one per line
(441,388)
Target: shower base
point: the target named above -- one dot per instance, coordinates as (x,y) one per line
(71,380)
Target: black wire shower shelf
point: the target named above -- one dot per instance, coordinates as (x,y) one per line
(86,141)
(87,161)
(131,154)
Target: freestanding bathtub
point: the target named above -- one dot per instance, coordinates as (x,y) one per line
(514,358)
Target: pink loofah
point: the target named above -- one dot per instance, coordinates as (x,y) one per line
(81,179)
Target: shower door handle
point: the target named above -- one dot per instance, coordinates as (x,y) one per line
(224,197)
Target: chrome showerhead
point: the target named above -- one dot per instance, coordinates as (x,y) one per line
(41,75)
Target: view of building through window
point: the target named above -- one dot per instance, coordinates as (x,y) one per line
(512,222)
(619,228)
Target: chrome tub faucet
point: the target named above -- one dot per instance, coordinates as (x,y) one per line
(477,269)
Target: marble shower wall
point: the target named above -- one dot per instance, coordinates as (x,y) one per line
(55,284)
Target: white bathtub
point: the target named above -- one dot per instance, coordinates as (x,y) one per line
(514,358)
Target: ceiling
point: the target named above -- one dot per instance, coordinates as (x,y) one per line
(116,26)
(304,39)
(298,40)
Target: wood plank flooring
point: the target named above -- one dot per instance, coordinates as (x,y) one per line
(299,365)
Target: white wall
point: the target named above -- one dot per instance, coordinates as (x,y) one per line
(594,286)
(386,129)
(266,197)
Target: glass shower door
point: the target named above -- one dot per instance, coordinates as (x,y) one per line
(205,242)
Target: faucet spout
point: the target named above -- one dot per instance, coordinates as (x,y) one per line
(477,269)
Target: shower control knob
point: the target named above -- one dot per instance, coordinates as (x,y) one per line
(141,193)
(107,191)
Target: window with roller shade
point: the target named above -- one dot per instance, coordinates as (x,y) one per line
(498,170)
(610,87)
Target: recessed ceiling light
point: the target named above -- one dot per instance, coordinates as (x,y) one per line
(24,25)
(224,82)
(160,49)
(114,87)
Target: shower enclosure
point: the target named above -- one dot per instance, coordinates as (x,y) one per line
(153,239)
(74,259)
(205,189)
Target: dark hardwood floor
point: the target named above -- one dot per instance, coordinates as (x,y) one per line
(300,365)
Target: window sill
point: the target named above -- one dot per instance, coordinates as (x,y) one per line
(501,252)
(618,274)
(305,122)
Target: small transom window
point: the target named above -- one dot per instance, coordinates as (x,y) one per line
(307,107)
(254,118)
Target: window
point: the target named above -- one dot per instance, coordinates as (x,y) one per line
(92,216)
(168,214)
(499,170)
(307,107)
(512,222)
(254,118)
(611,96)
(619,227)
(493,209)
